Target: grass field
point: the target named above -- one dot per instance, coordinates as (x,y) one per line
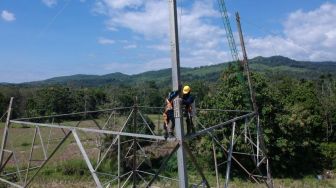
(67,169)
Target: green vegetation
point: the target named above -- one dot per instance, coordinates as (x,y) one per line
(297,104)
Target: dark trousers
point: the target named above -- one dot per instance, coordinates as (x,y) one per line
(190,124)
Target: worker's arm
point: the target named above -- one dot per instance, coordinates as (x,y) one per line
(188,101)
(172,95)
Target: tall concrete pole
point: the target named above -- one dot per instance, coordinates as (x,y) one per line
(175,57)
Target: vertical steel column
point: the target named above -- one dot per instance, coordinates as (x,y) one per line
(175,57)
(5,133)
(119,161)
(228,167)
(134,148)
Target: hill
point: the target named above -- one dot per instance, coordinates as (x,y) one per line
(275,66)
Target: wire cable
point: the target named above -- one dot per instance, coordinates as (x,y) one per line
(53,19)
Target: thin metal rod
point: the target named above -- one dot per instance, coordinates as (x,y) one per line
(71,114)
(228,167)
(108,119)
(127,179)
(86,158)
(163,164)
(209,129)
(146,123)
(215,160)
(165,177)
(31,154)
(42,144)
(6,161)
(134,148)
(119,161)
(91,130)
(10,183)
(5,133)
(198,168)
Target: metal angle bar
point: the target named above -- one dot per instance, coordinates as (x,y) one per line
(223,110)
(127,179)
(108,119)
(31,154)
(17,168)
(70,114)
(129,149)
(209,129)
(117,177)
(119,161)
(105,174)
(222,163)
(242,153)
(140,164)
(10,183)
(163,164)
(49,157)
(92,130)
(42,144)
(15,161)
(228,167)
(141,148)
(134,148)
(14,172)
(253,144)
(5,131)
(259,176)
(143,119)
(144,172)
(258,139)
(193,160)
(86,158)
(6,161)
(142,178)
(261,161)
(215,160)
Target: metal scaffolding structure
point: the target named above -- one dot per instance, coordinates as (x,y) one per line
(126,137)
(131,137)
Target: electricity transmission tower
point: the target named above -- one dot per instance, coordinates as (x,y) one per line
(131,138)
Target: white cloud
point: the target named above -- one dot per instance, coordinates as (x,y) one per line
(130,46)
(50,3)
(200,37)
(135,68)
(307,35)
(7,16)
(105,41)
(120,4)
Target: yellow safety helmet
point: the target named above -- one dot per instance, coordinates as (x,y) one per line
(186,89)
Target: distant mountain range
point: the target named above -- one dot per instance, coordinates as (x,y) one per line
(275,66)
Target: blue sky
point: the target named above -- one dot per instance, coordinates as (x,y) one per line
(46,38)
